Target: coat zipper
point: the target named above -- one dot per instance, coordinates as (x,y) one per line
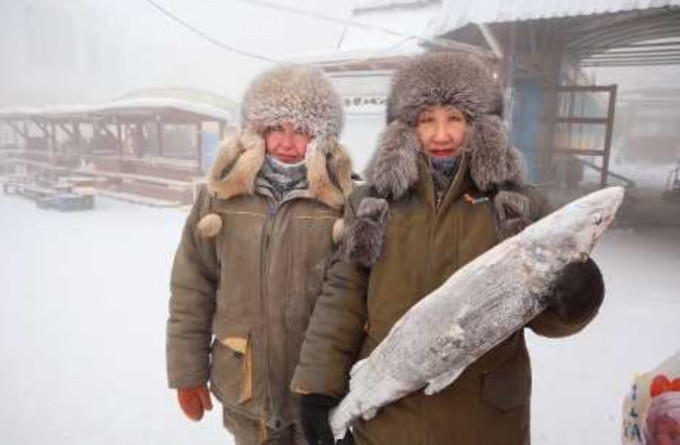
(264,277)
(272,214)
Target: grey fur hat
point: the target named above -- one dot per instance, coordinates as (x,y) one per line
(460,81)
(298,94)
(303,96)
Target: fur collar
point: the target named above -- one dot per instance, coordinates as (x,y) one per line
(394,170)
(495,168)
(240,158)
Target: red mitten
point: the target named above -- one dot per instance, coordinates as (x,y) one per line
(194,401)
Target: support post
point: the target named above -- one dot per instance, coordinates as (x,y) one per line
(159,135)
(199,144)
(608,135)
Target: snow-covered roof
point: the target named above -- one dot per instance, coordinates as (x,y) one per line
(154,104)
(454,14)
(458,13)
(329,58)
(372,5)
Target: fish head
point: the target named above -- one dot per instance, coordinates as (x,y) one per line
(572,231)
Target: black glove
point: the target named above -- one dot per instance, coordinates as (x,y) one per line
(578,290)
(314,410)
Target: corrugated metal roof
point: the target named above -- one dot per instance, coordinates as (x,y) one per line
(363,6)
(458,13)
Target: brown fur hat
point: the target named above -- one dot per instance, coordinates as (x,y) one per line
(304,97)
(298,94)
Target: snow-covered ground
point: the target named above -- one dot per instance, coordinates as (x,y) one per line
(83,303)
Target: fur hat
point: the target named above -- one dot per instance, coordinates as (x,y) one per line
(300,95)
(464,82)
(297,94)
(459,80)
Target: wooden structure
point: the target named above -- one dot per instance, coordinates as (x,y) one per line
(127,145)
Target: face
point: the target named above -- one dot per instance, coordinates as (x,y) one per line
(441,131)
(286,144)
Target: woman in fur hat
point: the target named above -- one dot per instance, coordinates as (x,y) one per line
(250,262)
(443,187)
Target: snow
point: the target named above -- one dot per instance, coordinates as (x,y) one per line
(149,103)
(82,331)
(82,325)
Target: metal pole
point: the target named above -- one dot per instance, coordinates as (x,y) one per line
(159,135)
(199,144)
(608,135)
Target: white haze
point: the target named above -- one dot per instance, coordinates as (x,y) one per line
(84,296)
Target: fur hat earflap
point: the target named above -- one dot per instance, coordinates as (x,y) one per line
(394,166)
(234,169)
(492,159)
(364,239)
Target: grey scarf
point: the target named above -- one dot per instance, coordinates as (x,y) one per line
(443,170)
(280,179)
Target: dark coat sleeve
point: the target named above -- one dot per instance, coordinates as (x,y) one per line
(585,287)
(336,330)
(193,285)
(585,284)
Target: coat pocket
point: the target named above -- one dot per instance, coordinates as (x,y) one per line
(232,370)
(507,388)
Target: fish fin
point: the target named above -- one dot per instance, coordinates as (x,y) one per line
(442,381)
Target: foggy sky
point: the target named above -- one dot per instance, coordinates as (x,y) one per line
(87,51)
(93,50)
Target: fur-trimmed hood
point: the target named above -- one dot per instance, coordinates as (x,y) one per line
(496,169)
(233,173)
(304,97)
(460,81)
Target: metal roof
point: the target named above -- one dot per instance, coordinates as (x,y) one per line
(376,5)
(455,14)
(458,13)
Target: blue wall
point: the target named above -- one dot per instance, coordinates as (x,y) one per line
(526,112)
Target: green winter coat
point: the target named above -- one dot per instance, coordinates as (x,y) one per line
(423,246)
(244,282)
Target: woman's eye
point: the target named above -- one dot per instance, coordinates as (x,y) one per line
(425,120)
(276,128)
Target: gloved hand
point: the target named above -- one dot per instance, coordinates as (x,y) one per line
(194,401)
(577,291)
(314,410)
(662,424)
